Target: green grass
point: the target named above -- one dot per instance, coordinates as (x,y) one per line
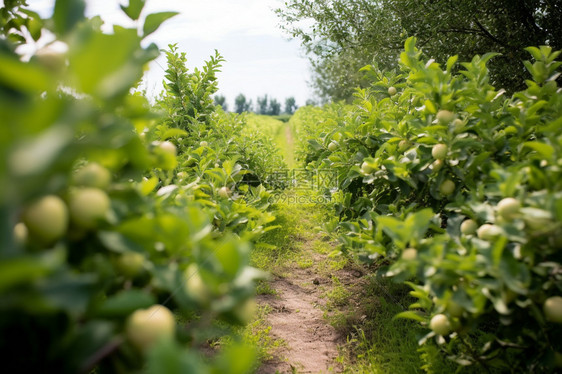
(378,343)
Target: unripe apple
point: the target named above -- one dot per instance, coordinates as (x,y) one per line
(440,324)
(409,254)
(88,206)
(46,219)
(246,311)
(224,192)
(130,264)
(21,233)
(445,116)
(488,232)
(332,146)
(469,227)
(437,165)
(92,175)
(439,151)
(366,168)
(168,147)
(508,208)
(552,308)
(196,288)
(447,187)
(458,124)
(403,145)
(146,326)
(204,144)
(391,91)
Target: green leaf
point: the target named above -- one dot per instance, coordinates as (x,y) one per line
(172,133)
(22,77)
(67,14)
(125,303)
(134,9)
(154,20)
(543,149)
(410,315)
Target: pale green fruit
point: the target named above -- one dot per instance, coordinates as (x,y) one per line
(146,326)
(552,308)
(392,91)
(92,175)
(46,219)
(246,311)
(437,165)
(445,116)
(130,264)
(366,168)
(447,187)
(21,233)
(488,232)
(409,254)
(168,147)
(439,151)
(508,208)
(440,324)
(204,144)
(332,146)
(196,288)
(224,192)
(88,206)
(469,227)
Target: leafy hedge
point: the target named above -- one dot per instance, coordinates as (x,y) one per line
(450,186)
(117,213)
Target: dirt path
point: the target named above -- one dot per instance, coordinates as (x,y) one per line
(297,319)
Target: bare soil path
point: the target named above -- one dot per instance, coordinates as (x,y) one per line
(297,319)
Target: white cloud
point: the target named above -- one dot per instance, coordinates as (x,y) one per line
(246,32)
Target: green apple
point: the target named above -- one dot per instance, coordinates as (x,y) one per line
(246,311)
(146,326)
(168,147)
(130,264)
(88,206)
(409,254)
(447,187)
(552,308)
(469,227)
(195,287)
(92,175)
(21,233)
(488,231)
(224,192)
(46,219)
(440,324)
(508,208)
(445,116)
(437,165)
(439,151)
(366,168)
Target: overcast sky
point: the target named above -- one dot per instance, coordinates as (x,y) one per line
(259,58)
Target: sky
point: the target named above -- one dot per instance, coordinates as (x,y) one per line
(259,57)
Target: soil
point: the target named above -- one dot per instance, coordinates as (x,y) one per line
(298,319)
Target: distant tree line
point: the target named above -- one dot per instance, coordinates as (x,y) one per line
(264,105)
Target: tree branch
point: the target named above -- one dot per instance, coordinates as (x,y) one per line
(490,36)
